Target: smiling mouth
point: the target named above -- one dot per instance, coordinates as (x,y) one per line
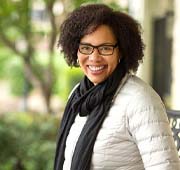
(96,68)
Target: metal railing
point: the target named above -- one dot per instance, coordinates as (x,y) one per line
(174,119)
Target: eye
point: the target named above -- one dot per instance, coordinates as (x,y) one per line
(105,48)
(85,47)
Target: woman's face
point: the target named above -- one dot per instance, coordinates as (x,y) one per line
(98,67)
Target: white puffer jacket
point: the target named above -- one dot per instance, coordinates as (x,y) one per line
(135,135)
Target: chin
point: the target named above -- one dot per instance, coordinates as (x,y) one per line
(96,82)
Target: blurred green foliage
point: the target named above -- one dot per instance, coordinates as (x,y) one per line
(11,70)
(27,141)
(67,77)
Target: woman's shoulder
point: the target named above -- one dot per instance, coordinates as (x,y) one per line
(135,83)
(137,92)
(136,87)
(140,101)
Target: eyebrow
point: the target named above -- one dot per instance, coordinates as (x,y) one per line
(84,43)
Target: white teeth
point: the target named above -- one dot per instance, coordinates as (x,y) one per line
(95,68)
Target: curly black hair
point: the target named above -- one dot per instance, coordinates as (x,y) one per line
(86,19)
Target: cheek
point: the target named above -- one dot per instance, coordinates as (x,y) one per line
(114,65)
(114,61)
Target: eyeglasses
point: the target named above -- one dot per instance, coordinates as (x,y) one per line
(104,49)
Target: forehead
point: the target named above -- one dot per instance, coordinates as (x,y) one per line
(102,34)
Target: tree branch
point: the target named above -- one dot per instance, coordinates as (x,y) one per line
(53,25)
(10,44)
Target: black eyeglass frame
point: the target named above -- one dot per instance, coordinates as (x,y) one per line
(97,47)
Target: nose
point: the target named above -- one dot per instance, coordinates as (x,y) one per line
(95,57)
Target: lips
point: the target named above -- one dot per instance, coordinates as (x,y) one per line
(96,73)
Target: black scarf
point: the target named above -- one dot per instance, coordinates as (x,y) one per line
(91,100)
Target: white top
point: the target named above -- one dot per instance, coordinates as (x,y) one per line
(135,135)
(72,139)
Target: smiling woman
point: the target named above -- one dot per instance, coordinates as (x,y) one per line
(97,54)
(113,120)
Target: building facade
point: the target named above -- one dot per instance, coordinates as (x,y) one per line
(160,21)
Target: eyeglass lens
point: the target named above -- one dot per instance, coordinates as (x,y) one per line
(102,49)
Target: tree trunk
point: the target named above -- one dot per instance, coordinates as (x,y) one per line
(18,165)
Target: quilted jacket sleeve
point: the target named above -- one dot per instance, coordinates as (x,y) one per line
(149,127)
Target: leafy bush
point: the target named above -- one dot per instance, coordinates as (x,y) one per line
(27,142)
(73,77)
(67,79)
